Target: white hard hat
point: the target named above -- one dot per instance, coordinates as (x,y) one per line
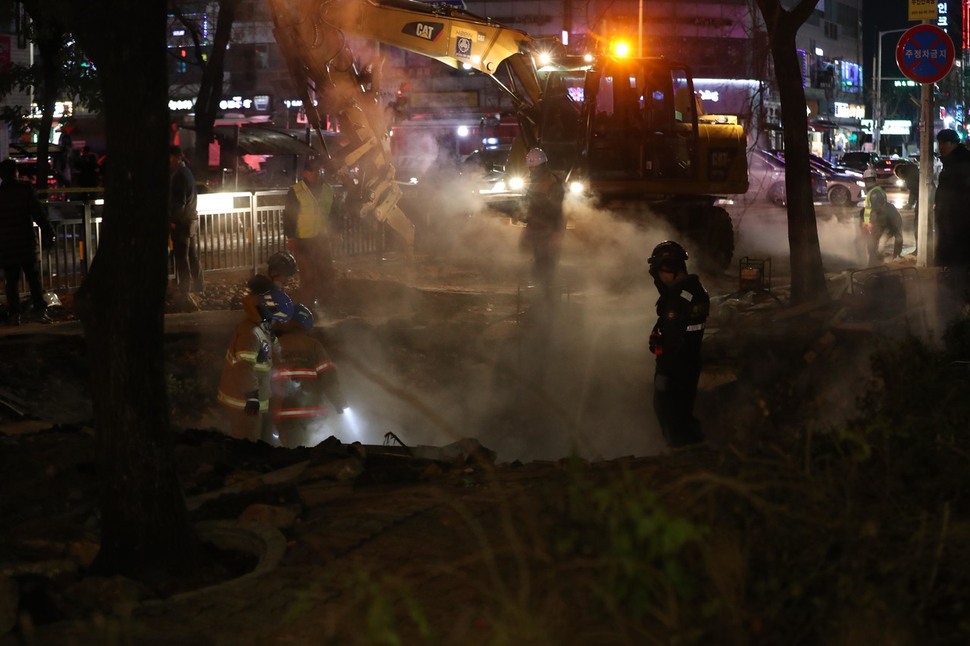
(535,157)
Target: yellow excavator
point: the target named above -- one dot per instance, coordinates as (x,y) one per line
(626,131)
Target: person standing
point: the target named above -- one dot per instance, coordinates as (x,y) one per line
(545,224)
(676,338)
(183,218)
(880,217)
(952,204)
(303,375)
(87,171)
(19,211)
(306,224)
(63,159)
(952,217)
(244,387)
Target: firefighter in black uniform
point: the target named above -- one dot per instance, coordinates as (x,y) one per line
(682,311)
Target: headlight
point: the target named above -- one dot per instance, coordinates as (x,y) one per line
(577,188)
(516,183)
(497,187)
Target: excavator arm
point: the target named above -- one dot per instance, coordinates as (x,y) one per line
(312,35)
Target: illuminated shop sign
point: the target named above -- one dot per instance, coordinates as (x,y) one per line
(848,110)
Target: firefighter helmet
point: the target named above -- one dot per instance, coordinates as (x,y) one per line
(282,264)
(535,157)
(303,315)
(668,255)
(275,306)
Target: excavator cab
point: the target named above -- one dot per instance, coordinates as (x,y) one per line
(633,127)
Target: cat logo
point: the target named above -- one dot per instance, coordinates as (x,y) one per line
(429,31)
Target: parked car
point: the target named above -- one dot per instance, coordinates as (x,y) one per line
(883,166)
(858,160)
(844,186)
(766,178)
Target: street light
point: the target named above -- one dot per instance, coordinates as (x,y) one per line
(877,107)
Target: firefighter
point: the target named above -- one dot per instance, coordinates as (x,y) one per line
(244,389)
(306,223)
(280,268)
(303,375)
(682,311)
(545,224)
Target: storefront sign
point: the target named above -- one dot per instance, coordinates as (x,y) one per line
(896,127)
(922,10)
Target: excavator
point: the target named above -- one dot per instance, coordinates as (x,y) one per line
(625,131)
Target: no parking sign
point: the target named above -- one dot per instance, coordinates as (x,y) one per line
(925,53)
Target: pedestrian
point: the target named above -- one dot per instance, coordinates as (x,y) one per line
(676,338)
(183,218)
(909,173)
(952,205)
(545,223)
(62,160)
(877,218)
(306,223)
(19,211)
(952,217)
(244,388)
(87,170)
(303,376)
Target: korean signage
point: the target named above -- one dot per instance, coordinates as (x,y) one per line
(925,54)
(922,9)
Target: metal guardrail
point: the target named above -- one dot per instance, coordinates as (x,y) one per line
(237,231)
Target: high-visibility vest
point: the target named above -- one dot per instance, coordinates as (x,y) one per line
(314,217)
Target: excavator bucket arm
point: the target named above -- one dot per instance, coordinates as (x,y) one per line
(312,35)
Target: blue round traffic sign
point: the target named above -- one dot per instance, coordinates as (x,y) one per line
(925,53)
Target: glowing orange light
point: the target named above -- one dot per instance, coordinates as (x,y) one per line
(620,48)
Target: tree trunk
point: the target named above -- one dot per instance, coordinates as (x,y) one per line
(50,45)
(210,88)
(807,273)
(146,532)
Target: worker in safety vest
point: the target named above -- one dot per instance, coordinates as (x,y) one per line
(879,217)
(303,377)
(306,223)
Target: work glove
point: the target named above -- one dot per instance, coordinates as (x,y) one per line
(252,403)
(263,355)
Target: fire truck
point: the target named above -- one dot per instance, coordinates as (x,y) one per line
(625,131)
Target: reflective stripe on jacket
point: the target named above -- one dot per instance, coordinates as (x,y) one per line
(242,372)
(302,376)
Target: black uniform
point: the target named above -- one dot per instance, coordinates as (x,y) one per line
(953,210)
(682,311)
